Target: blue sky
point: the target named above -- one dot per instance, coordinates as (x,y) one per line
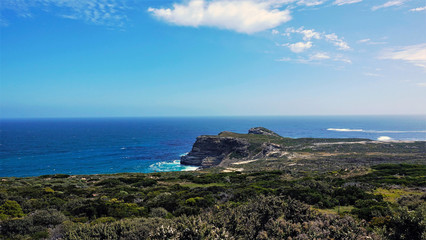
(107,58)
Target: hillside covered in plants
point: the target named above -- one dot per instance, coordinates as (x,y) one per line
(297,189)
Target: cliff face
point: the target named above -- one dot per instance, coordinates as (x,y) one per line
(210,151)
(227,149)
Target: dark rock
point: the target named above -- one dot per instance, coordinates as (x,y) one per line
(211,150)
(262,131)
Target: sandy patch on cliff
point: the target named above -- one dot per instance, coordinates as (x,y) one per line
(245,162)
(233,170)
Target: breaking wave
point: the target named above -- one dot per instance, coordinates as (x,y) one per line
(171,166)
(372,131)
(183,154)
(384,139)
(345,130)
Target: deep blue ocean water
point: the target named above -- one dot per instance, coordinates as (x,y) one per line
(32,147)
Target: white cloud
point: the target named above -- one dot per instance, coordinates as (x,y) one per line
(370,42)
(343,2)
(369,74)
(310,3)
(320,56)
(364,40)
(336,41)
(419,9)
(414,54)
(422,84)
(284,59)
(341,58)
(100,12)
(391,3)
(309,34)
(279,3)
(246,16)
(275,32)
(299,46)
(315,58)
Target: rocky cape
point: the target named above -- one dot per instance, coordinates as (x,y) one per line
(210,151)
(228,148)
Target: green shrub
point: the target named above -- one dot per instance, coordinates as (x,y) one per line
(103,220)
(34,223)
(406,224)
(10,209)
(159,212)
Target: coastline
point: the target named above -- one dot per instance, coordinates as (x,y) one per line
(93,146)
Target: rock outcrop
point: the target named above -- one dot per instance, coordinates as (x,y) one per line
(262,131)
(209,151)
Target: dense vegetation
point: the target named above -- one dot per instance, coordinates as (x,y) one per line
(386,201)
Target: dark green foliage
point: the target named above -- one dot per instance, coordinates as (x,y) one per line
(406,224)
(400,174)
(34,224)
(367,209)
(351,194)
(412,202)
(261,218)
(109,182)
(55,176)
(209,205)
(104,207)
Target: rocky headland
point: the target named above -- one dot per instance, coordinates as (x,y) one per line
(210,151)
(229,149)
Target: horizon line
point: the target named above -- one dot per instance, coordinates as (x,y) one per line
(214,116)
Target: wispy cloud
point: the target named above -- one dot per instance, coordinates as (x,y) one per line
(333,38)
(343,2)
(341,58)
(299,46)
(319,56)
(414,54)
(303,43)
(368,41)
(370,74)
(419,9)
(241,16)
(100,12)
(307,34)
(310,3)
(391,3)
(310,34)
(316,58)
(422,84)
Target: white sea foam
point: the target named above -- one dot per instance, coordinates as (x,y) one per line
(171,166)
(372,131)
(345,130)
(183,154)
(384,139)
(388,131)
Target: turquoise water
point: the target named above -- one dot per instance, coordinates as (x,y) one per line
(32,147)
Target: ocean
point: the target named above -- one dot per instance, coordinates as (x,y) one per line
(33,147)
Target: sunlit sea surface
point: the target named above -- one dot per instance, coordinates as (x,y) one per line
(33,147)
